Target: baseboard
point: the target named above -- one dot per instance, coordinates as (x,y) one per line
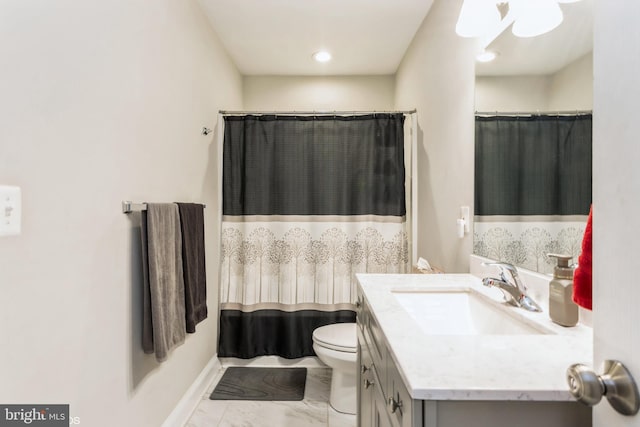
(192,397)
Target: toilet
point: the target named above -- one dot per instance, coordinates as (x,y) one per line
(336,346)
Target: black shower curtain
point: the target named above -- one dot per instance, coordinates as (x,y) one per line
(532,187)
(533,165)
(308,201)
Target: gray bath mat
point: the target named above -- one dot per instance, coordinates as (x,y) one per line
(240,383)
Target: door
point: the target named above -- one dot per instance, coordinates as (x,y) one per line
(616,193)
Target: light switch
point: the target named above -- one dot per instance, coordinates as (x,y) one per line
(10,210)
(464,214)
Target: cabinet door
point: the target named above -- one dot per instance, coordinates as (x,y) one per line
(366,385)
(380,414)
(403,410)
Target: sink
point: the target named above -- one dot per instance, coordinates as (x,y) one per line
(463,313)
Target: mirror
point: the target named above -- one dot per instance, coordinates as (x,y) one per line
(551,74)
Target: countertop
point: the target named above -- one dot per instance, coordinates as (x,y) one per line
(474,367)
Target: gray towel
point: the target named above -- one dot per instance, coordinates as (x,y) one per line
(193,263)
(164,314)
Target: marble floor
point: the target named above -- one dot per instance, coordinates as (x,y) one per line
(312,411)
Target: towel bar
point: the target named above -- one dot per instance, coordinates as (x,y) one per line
(128,207)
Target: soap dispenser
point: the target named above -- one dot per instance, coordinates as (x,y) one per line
(562,309)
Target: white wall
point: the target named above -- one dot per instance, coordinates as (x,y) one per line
(571,88)
(436,77)
(102,101)
(512,93)
(328,93)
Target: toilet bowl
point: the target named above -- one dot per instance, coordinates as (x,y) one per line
(336,346)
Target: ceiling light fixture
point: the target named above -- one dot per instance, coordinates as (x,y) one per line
(322,56)
(489,18)
(534,18)
(477,17)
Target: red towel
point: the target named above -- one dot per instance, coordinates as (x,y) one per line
(582,276)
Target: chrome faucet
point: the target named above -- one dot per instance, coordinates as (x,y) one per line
(514,290)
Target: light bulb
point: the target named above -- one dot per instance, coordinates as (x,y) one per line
(534,17)
(477,18)
(322,56)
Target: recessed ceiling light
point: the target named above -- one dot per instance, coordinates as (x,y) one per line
(486,56)
(322,56)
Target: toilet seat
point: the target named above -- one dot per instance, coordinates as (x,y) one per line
(339,337)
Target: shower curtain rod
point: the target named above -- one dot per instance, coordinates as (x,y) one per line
(312,113)
(533,113)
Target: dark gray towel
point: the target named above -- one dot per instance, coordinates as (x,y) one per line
(147,327)
(164,320)
(193,263)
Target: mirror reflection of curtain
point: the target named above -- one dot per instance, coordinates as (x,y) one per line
(308,201)
(532,187)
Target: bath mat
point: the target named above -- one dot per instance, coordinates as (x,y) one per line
(242,383)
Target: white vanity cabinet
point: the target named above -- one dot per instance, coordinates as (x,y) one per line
(384,399)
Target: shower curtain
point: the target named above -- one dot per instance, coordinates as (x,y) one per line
(308,201)
(532,187)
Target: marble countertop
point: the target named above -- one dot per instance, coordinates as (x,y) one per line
(474,367)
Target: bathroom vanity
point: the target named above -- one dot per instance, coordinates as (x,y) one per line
(444,351)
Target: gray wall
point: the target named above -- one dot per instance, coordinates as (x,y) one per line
(102,101)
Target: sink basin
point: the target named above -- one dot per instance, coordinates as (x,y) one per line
(463,313)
